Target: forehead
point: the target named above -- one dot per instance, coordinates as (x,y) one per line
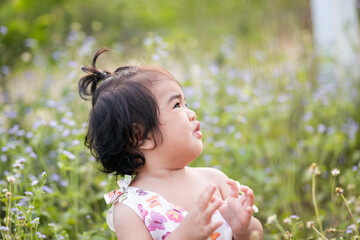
(165,88)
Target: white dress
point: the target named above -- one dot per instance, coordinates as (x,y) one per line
(160,216)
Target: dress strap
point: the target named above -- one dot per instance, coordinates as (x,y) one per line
(123,183)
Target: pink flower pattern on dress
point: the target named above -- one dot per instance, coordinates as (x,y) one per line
(143,212)
(160,216)
(141,192)
(157,221)
(165,235)
(175,214)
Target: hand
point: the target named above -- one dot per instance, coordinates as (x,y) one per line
(197,224)
(237,210)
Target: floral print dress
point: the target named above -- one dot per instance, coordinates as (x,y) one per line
(160,216)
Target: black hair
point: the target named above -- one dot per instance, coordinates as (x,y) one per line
(124,114)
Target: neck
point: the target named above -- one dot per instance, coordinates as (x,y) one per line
(159,164)
(154,171)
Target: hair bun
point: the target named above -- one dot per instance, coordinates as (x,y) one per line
(95,73)
(93,77)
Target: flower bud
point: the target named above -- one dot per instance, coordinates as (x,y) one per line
(313,169)
(339,191)
(310,224)
(8,194)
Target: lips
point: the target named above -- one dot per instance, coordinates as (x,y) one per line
(197,130)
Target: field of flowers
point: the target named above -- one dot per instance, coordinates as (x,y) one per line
(267,122)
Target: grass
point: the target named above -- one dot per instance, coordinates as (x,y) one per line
(265,120)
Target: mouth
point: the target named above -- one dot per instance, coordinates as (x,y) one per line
(197,130)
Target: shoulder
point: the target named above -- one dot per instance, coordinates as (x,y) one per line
(212,173)
(128,224)
(215,176)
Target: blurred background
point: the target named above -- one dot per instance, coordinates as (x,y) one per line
(269,87)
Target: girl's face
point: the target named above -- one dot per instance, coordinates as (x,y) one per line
(182,139)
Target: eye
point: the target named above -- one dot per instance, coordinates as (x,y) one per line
(177,105)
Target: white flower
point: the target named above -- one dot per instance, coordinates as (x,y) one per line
(310,224)
(17,166)
(11,179)
(34,182)
(287,220)
(335,172)
(69,155)
(313,169)
(271,219)
(21,160)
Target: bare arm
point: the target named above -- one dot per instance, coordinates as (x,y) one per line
(128,224)
(255,231)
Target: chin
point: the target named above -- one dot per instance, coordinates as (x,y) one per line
(197,153)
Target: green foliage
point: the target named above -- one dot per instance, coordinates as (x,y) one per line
(252,83)
(48,22)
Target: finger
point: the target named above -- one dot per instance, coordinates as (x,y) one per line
(209,211)
(223,208)
(242,199)
(215,197)
(248,213)
(206,196)
(213,226)
(249,210)
(234,189)
(250,198)
(244,188)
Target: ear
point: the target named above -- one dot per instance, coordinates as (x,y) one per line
(146,144)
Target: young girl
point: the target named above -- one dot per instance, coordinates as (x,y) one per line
(140,128)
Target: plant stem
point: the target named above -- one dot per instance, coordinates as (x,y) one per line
(314,201)
(332,200)
(352,216)
(33,202)
(8,212)
(317,231)
(282,230)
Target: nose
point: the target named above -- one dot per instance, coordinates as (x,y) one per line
(191,114)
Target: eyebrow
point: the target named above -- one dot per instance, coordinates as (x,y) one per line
(175,96)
